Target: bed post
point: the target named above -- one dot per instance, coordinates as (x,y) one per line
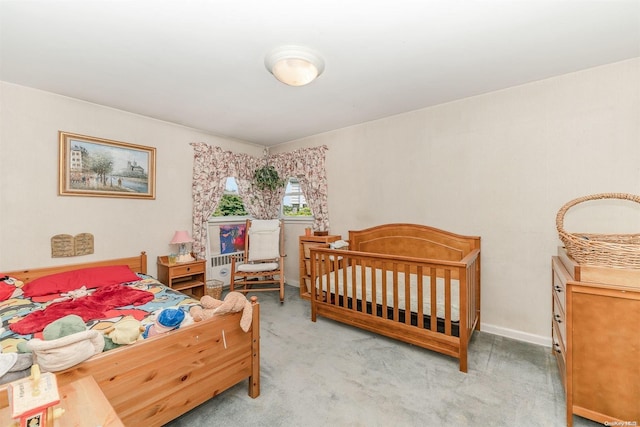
(254,379)
(143,262)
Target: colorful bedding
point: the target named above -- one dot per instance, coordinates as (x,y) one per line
(139,305)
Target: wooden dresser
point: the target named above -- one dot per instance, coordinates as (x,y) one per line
(306,243)
(596,340)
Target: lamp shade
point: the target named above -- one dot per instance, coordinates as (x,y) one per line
(181,237)
(294,65)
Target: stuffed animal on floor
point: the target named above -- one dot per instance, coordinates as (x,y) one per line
(233,302)
(167,320)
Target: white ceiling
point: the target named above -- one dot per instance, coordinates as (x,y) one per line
(201,63)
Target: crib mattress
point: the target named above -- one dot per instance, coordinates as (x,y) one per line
(365,275)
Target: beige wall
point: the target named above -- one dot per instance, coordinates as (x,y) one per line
(500,166)
(31,210)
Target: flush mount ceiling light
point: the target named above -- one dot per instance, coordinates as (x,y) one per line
(294,65)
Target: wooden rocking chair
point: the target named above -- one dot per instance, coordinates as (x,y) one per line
(261,266)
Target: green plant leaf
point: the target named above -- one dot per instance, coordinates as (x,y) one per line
(266,178)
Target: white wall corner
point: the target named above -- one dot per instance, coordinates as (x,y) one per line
(517,335)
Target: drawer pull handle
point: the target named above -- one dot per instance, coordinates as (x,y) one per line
(557,288)
(557,317)
(557,347)
(188,268)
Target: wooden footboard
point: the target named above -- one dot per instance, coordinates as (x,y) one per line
(156,380)
(153,381)
(429,302)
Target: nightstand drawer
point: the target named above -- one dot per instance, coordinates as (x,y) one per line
(183,270)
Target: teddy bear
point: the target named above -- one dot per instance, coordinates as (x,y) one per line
(233,302)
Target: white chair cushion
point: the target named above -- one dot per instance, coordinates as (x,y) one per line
(265,225)
(264,242)
(256,268)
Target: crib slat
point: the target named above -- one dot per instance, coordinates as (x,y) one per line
(396,311)
(433,296)
(407,294)
(353,285)
(374,289)
(363,288)
(383,267)
(345,272)
(420,298)
(447,301)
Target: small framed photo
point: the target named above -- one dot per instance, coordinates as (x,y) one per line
(97,167)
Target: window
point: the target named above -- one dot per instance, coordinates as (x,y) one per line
(294,204)
(231,204)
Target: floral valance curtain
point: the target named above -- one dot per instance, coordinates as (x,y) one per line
(212,166)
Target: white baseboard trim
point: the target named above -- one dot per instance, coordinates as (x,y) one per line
(516,335)
(295,283)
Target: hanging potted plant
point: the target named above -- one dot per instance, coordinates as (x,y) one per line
(267,178)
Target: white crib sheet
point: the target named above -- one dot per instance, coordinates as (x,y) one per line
(426,289)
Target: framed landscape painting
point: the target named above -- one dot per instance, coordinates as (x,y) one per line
(97,167)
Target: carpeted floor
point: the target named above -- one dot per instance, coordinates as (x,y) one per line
(329,374)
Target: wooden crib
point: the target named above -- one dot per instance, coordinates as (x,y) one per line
(437,307)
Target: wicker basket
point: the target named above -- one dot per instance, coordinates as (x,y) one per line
(603,250)
(213,288)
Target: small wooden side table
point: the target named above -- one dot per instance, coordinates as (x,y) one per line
(186,277)
(83,403)
(305,243)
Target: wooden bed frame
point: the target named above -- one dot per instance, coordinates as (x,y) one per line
(158,379)
(408,249)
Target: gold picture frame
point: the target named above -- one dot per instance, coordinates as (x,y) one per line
(97,167)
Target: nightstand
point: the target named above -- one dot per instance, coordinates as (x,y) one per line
(186,277)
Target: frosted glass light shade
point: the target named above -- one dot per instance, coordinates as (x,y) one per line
(294,65)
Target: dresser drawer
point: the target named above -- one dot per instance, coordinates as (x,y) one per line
(560,354)
(185,270)
(559,290)
(559,321)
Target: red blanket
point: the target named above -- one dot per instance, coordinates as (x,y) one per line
(94,306)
